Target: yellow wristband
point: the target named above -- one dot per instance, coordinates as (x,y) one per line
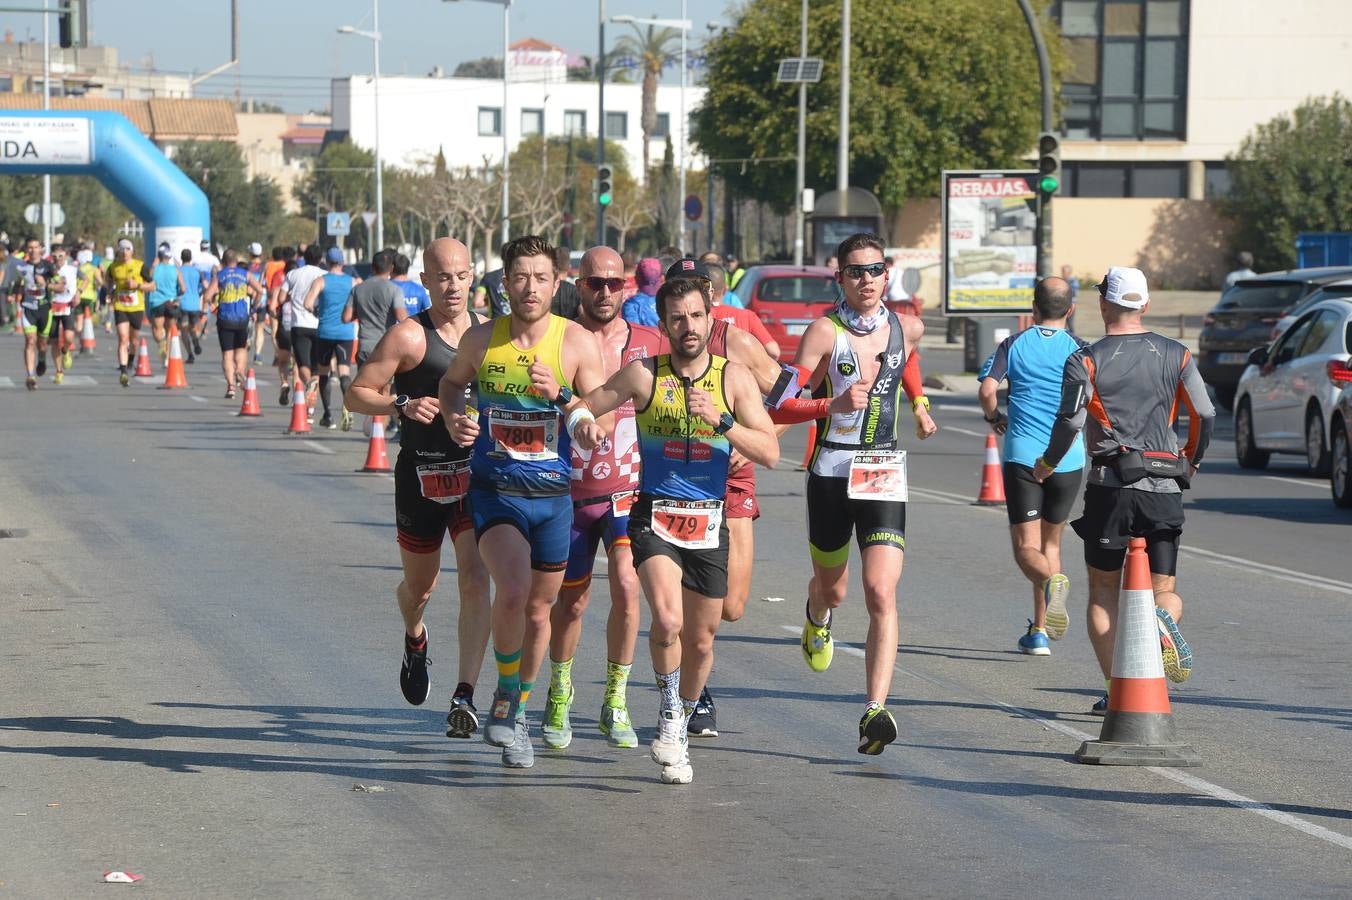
(918,402)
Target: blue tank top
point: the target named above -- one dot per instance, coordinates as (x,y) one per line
(166,284)
(233,296)
(191,301)
(329,309)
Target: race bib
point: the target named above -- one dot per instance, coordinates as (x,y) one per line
(126,299)
(692,524)
(444,482)
(525,434)
(878,475)
(621,503)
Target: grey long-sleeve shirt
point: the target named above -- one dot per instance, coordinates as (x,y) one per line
(1124,391)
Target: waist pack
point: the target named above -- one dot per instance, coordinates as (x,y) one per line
(1133,465)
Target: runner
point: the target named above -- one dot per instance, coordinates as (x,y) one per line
(1032,361)
(258,319)
(281,321)
(744,319)
(129,303)
(376,305)
(1124,391)
(10,284)
(190,304)
(303,327)
(858,355)
(526,367)
(87,288)
(604,482)
(328,298)
(35,307)
(431,477)
(162,302)
(416,298)
(64,293)
(233,290)
(692,409)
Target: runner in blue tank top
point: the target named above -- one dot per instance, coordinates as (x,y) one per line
(190,305)
(333,337)
(1032,361)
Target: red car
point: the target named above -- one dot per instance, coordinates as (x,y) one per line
(790,298)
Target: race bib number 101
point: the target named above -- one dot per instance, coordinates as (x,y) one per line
(878,475)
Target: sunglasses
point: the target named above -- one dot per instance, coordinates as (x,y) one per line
(596,283)
(872,270)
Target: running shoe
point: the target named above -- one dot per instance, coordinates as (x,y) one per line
(197,347)
(42,366)
(1176,652)
(877,729)
(124,379)
(519,754)
(258,359)
(32,383)
(1034,643)
(704,720)
(58,377)
(669,744)
(326,421)
(1100,707)
(1054,591)
(413,678)
(501,728)
(310,414)
(285,396)
(230,392)
(617,728)
(681,772)
(66,361)
(557,728)
(463,719)
(345,420)
(191,359)
(817,645)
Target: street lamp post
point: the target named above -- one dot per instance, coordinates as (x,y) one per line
(506,161)
(683,24)
(374,36)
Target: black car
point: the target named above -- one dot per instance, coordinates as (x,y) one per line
(1244,318)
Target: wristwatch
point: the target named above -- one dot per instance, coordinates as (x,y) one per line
(725,423)
(565,396)
(400,402)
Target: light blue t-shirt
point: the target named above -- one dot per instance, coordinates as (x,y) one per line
(1032,361)
(640,309)
(731,299)
(329,309)
(416,298)
(166,285)
(191,301)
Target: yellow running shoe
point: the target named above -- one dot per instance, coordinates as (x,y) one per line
(1054,591)
(58,377)
(818,647)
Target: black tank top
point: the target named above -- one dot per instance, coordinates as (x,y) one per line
(431,441)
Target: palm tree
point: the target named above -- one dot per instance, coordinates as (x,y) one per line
(653,49)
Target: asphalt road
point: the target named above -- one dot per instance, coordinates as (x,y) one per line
(201,662)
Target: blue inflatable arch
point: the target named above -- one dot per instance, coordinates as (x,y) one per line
(107,146)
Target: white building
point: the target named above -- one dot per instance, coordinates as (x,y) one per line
(463,117)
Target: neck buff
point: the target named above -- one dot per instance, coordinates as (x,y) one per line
(857,322)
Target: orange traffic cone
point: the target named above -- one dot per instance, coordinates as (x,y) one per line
(1138,729)
(174,376)
(250,406)
(377,460)
(87,341)
(811,444)
(143,359)
(300,422)
(992,478)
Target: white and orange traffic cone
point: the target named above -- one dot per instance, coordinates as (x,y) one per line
(377,458)
(992,478)
(300,422)
(1138,729)
(174,376)
(143,359)
(87,341)
(250,407)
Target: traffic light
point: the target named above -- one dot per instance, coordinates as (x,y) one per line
(1048,163)
(605,185)
(72,23)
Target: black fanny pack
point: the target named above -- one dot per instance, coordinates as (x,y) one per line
(1133,465)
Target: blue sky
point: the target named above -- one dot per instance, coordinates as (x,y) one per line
(290,48)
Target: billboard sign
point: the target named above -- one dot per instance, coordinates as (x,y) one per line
(26,141)
(989,242)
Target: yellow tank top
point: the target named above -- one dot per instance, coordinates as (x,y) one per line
(126,297)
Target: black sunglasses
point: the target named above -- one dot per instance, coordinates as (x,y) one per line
(872,270)
(596,283)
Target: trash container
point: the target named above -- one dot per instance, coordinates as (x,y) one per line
(981,335)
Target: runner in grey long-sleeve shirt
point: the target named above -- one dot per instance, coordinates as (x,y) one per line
(1125,391)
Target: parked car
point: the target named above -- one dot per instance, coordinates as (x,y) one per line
(1285,400)
(1340,464)
(1244,319)
(1337,289)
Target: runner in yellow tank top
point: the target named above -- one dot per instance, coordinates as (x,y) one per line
(129,303)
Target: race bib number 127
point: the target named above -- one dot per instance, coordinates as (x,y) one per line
(878,475)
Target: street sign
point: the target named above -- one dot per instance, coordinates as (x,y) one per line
(338,223)
(694,208)
(369,218)
(32,214)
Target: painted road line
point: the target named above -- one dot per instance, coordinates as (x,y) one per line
(1316,581)
(1310,483)
(198,399)
(978,434)
(973,410)
(1191,782)
(6,382)
(78,381)
(318,447)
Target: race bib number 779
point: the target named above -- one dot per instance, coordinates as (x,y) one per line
(692,524)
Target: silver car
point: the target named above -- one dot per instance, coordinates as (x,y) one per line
(1340,469)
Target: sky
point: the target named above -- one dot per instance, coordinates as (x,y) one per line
(289,49)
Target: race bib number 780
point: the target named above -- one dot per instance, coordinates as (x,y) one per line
(525,434)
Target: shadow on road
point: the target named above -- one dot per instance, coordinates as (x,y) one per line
(1314,510)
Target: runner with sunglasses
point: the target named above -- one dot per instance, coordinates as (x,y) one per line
(857,357)
(604,485)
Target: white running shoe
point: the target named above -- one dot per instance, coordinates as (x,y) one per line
(681,773)
(669,746)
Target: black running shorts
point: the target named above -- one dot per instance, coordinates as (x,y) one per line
(282,338)
(421,524)
(1028,501)
(326,350)
(702,571)
(303,341)
(1113,516)
(232,335)
(832,516)
(134,318)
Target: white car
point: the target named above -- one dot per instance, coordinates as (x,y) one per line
(1336,289)
(1286,396)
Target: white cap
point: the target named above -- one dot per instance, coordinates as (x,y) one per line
(255,249)
(1126,287)
(124,244)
